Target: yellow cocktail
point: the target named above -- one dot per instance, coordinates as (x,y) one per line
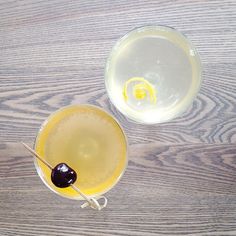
(90,141)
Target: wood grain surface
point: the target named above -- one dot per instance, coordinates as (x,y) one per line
(181,178)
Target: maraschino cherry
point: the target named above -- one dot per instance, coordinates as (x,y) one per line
(63,176)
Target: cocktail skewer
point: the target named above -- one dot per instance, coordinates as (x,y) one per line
(92,202)
(37,156)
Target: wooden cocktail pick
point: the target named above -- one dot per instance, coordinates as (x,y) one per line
(92,202)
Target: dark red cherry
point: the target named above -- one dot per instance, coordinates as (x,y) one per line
(63,176)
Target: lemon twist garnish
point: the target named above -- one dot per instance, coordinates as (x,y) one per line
(140,90)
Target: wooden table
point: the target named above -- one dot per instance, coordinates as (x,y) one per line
(181,178)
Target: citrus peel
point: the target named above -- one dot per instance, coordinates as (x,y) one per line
(140,90)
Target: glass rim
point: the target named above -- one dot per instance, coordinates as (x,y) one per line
(40,173)
(117,45)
